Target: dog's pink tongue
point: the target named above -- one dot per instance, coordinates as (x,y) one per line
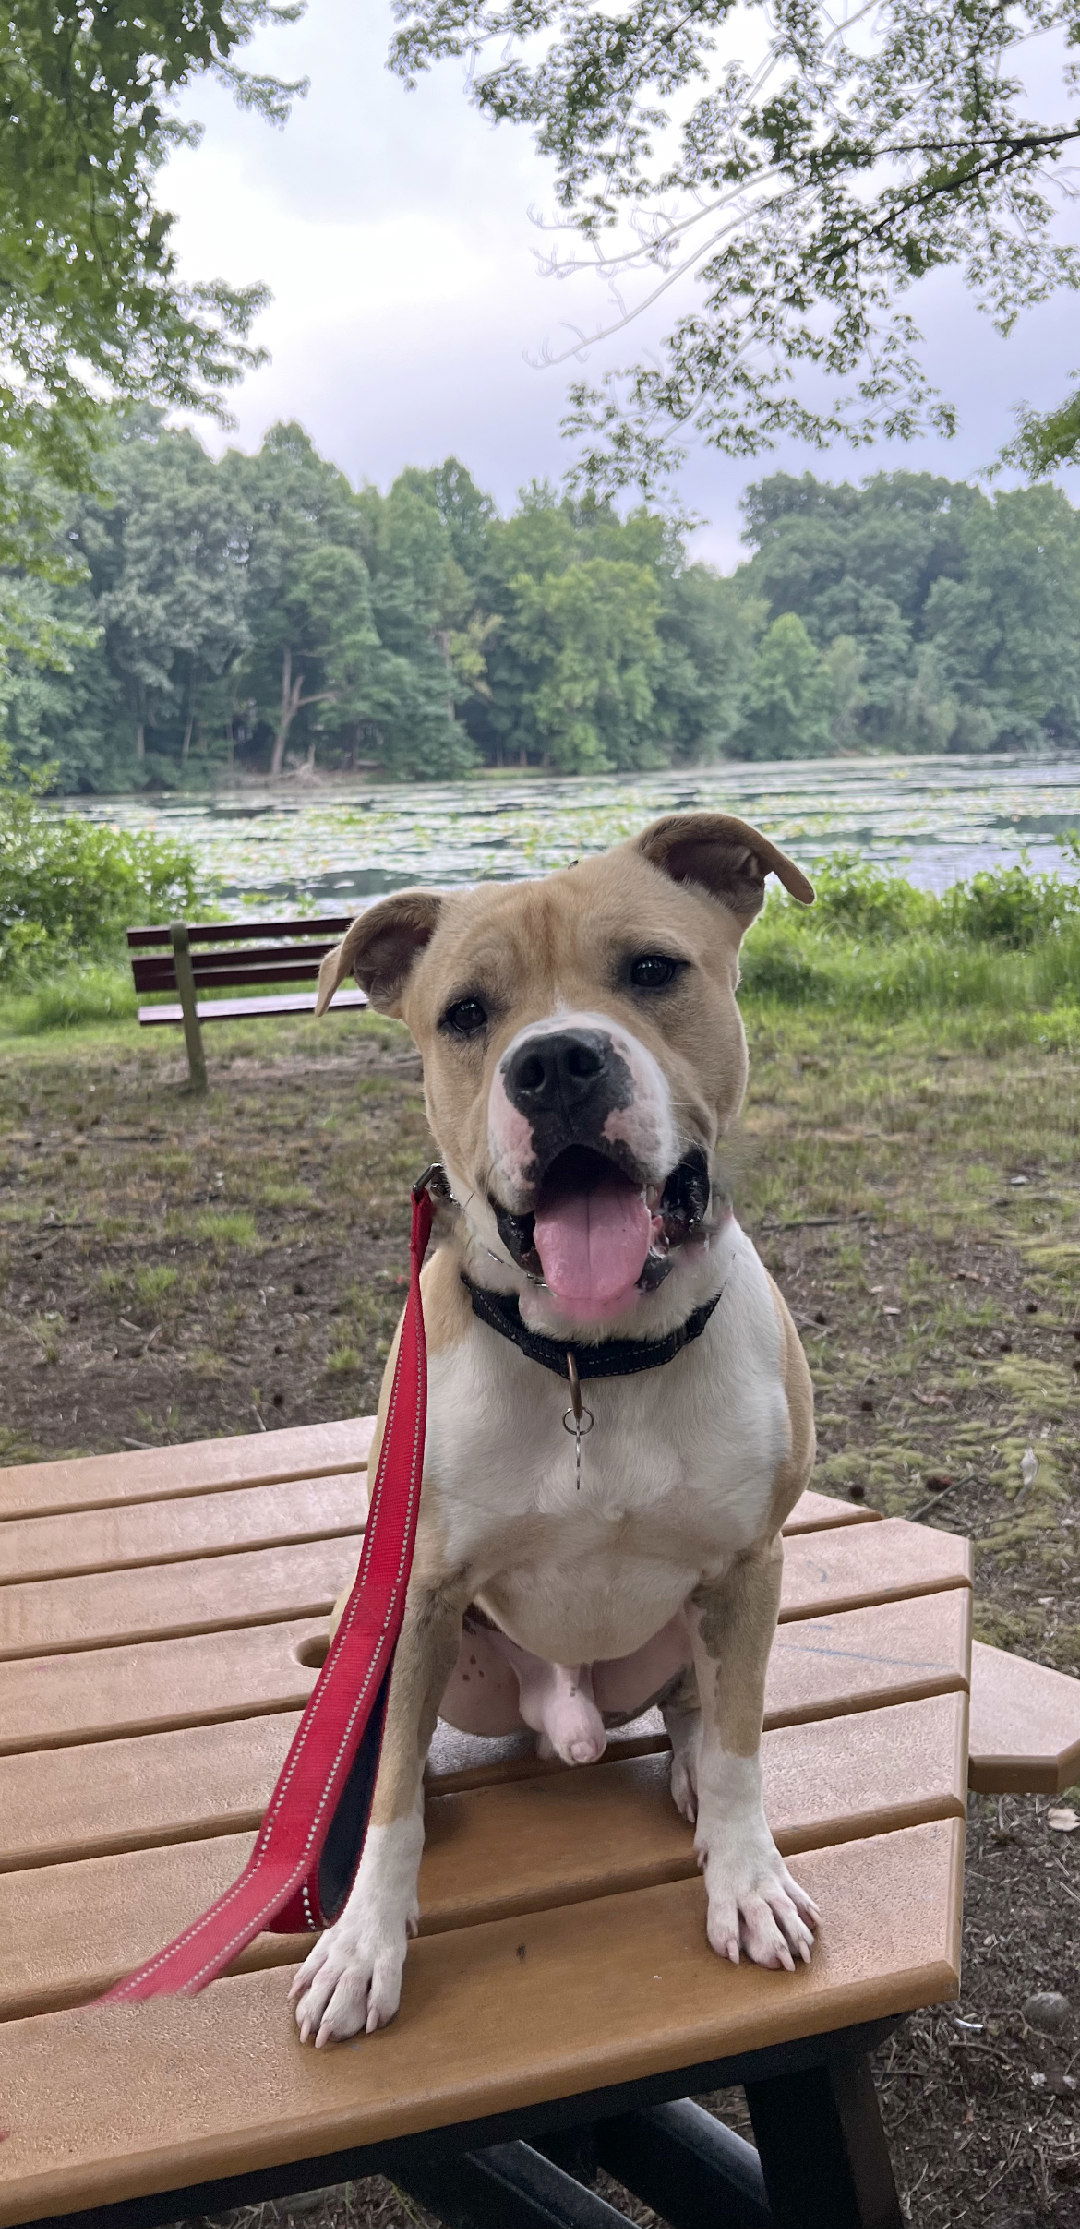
(592,1245)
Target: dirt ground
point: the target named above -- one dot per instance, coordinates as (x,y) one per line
(172,1269)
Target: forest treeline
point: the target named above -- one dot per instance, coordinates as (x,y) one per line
(254,613)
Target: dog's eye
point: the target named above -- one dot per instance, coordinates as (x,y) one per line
(465,1017)
(650,971)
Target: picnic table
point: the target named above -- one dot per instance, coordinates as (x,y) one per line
(162,1617)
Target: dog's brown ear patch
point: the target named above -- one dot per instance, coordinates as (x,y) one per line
(381,949)
(724,856)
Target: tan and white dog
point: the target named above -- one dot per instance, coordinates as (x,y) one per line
(583,1059)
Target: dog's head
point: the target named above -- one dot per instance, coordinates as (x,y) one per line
(582,1045)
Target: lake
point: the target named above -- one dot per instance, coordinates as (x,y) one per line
(328,847)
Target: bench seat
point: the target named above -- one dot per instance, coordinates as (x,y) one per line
(246,1009)
(190,958)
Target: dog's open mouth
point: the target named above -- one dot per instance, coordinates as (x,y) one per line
(599,1233)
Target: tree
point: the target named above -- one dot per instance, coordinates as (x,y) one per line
(57,699)
(790,701)
(708,636)
(158,545)
(1007,636)
(804,190)
(92,302)
(859,564)
(587,640)
(327,643)
(466,512)
(306,586)
(420,598)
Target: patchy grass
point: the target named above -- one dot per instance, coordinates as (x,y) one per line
(196,1267)
(226,1227)
(919,1203)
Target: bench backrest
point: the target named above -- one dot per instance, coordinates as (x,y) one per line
(225,953)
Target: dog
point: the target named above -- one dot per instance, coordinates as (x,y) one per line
(584,1059)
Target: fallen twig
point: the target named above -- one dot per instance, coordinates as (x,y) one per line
(965,1478)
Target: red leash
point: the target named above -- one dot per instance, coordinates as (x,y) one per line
(301,1869)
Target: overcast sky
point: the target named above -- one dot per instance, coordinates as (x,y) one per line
(394,231)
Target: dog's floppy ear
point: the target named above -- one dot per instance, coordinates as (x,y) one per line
(381,949)
(724,856)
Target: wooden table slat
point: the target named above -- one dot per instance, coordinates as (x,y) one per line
(817,1512)
(853,1660)
(201,1595)
(823,1571)
(151,1686)
(73,1543)
(516,1845)
(60,1804)
(509,2013)
(64,1804)
(202,1467)
(838,1569)
(81,1543)
(1025,1725)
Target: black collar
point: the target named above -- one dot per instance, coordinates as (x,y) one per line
(608,1358)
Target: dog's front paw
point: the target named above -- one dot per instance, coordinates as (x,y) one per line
(754,1904)
(350,1982)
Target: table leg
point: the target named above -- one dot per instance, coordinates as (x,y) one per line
(823,2152)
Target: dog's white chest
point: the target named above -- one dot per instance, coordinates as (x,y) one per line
(676,1476)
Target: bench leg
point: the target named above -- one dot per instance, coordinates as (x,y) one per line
(185,984)
(823,2152)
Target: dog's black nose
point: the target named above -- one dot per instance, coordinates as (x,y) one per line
(555,1071)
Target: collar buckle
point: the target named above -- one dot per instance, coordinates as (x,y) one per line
(433,1181)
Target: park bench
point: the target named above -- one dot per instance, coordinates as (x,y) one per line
(231,955)
(162,1615)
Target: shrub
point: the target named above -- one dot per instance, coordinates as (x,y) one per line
(857,900)
(1010,905)
(68,887)
(853,897)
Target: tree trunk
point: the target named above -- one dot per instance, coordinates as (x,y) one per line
(189,724)
(442,639)
(140,739)
(291,699)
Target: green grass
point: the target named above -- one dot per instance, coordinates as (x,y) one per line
(79,997)
(1027,995)
(226,1227)
(151,1286)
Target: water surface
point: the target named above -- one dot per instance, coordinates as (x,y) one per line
(328,847)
